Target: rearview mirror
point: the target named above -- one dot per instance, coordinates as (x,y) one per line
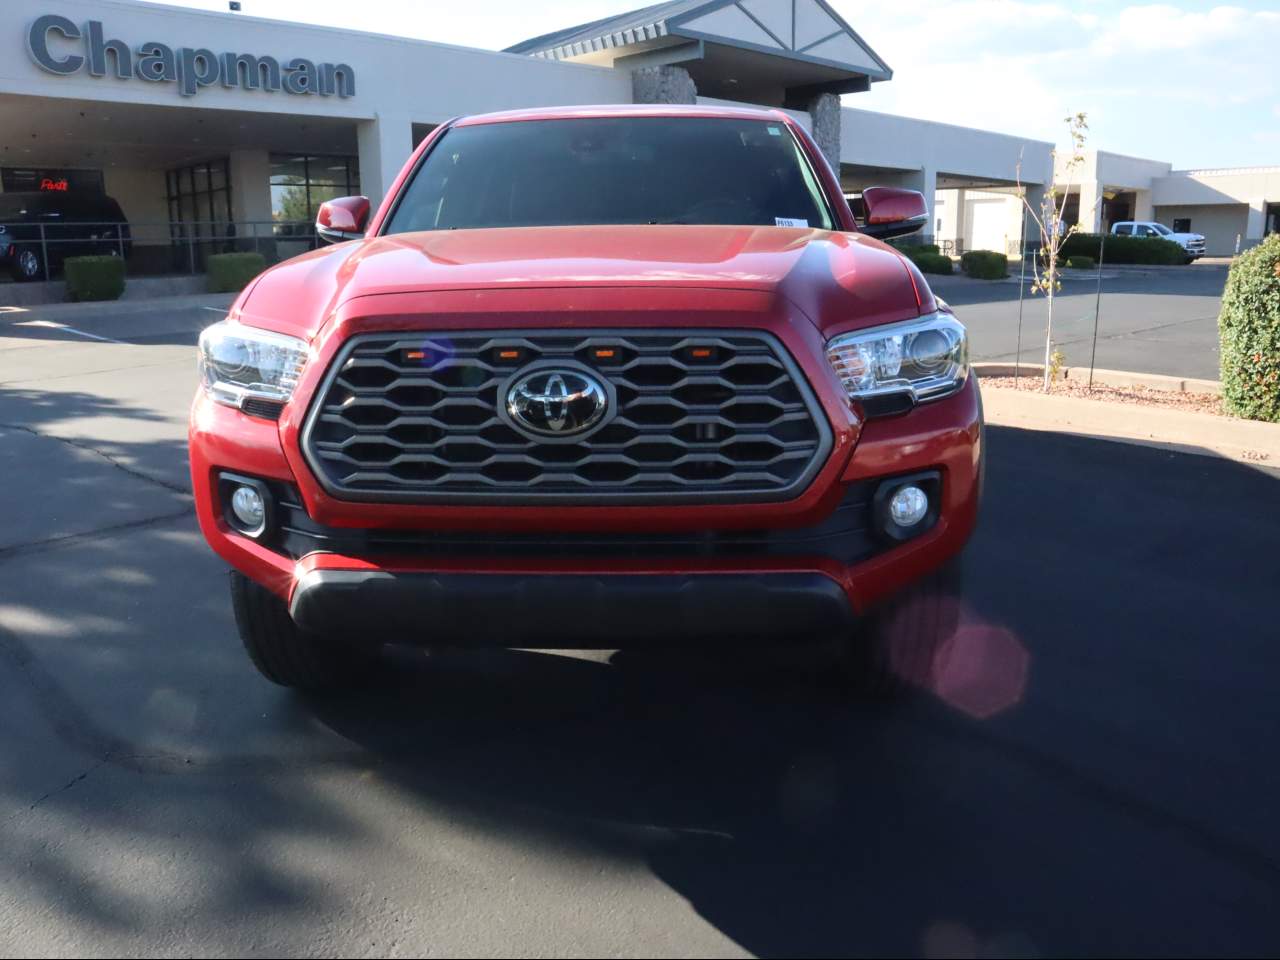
(342,219)
(892,212)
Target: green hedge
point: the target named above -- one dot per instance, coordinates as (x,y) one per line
(909,247)
(1147,250)
(985,264)
(1081,263)
(94,278)
(1249,328)
(231,272)
(932,263)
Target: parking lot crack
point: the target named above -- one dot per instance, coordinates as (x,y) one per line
(49,543)
(114,461)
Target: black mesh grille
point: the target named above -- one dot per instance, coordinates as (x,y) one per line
(698,416)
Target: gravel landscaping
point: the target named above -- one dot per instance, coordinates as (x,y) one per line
(1142,396)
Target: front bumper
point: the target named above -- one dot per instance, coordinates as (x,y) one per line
(574,611)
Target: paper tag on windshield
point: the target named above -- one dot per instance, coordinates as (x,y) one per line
(790,222)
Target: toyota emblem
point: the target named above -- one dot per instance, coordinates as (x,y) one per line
(557,402)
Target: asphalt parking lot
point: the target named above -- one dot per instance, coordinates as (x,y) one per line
(1154,320)
(1096,777)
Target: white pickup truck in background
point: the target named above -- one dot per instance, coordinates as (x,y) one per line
(1193,243)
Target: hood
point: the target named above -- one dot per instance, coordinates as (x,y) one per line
(836,279)
(1185,236)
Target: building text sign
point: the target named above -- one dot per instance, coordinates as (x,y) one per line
(59,46)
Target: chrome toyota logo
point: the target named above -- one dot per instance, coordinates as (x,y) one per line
(557,402)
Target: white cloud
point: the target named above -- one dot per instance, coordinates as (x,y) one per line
(1190,86)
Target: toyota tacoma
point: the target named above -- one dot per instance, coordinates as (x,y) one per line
(594,378)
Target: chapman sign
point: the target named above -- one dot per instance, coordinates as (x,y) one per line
(51,41)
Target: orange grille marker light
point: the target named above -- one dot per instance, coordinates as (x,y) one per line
(701,353)
(508,354)
(603,354)
(415,354)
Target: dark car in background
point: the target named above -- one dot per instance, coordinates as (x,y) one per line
(39,230)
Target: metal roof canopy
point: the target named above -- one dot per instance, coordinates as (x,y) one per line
(779,52)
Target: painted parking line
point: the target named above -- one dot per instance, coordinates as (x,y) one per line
(62,326)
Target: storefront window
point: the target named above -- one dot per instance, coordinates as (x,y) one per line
(299,184)
(198,195)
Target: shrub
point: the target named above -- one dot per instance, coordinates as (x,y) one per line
(1146,250)
(932,263)
(1249,328)
(985,264)
(1081,263)
(94,278)
(231,272)
(910,245)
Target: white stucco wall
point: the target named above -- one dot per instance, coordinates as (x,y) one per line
(1220,223)
(429,82)
(1240,185)
(883,140)
(979,220)
(140,191)
(398,81)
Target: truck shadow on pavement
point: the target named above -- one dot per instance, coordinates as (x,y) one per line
(1115,802)
(1114,795)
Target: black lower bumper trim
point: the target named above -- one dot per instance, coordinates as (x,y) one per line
(575,611)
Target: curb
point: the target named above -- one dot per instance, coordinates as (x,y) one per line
(108,308)
(1250,442)
(1108,378)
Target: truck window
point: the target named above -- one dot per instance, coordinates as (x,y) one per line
(614,170)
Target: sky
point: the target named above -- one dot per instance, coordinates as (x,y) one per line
(1195,84)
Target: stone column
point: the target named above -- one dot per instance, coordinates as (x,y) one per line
(667,83)
(1090,217)
(925,181)
(1142,208)
(1031,233)
(962,220)
(824,111)
(251,186)
(1256,224)
(384,144)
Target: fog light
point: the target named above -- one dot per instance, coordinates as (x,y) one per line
(908,505)
(247,505)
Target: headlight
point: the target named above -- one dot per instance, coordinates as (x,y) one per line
(902,364)
(237,363)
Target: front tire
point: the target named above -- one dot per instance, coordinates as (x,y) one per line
(899,643)
(282,652)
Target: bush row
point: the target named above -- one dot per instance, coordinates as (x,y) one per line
(985,264)
(94,278)
(1123,249)
(932,263)
(231,272)
(102,277)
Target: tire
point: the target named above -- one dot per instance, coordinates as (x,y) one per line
(27,266)
(898,645)
(282,652)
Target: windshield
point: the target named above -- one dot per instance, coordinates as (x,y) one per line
(1162,229)
(613,170)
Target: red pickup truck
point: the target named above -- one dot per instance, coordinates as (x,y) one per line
(593,377)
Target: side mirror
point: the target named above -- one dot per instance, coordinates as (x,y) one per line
(891,212)
(342,219)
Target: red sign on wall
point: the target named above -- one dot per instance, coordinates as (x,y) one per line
(50,184)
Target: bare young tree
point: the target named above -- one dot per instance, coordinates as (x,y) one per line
(1053,228)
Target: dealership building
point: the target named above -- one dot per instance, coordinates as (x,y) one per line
(214,125)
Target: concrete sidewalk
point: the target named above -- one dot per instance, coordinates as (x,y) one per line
(1244,441)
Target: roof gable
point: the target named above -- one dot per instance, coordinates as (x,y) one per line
(806,30)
